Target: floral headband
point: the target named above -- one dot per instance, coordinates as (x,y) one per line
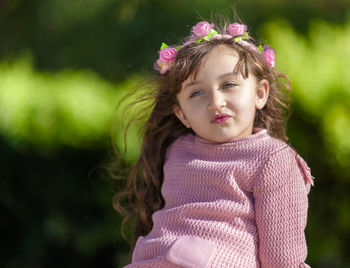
(205,31)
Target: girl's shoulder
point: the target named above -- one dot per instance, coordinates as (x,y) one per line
(271,146)
(179,144)
(280,161)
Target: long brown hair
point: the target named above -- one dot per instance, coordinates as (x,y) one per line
(142,194)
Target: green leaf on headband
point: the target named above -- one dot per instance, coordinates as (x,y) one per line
(163,45)
(207,37)
(239,38)
(260,47)
(212,32)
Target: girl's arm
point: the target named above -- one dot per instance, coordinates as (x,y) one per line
(281,204)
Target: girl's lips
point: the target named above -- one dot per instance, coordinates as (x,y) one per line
(219,118)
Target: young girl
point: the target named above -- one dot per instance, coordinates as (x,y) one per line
(216,184)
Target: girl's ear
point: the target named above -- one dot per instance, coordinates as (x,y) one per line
(180,115)
(262,93)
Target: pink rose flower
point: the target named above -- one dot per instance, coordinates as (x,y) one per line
(167,54)
(269,56)
(201,29)
(166,59)
(236,29)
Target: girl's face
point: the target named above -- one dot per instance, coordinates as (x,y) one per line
(220,105)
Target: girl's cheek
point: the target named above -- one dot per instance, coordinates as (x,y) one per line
(241,107)
(197,103)
(245,100)
(193,109)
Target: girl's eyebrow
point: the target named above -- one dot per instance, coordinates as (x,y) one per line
(228,74)
(192,83)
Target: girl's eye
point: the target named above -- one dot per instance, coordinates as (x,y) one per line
(196,93)
(228,85)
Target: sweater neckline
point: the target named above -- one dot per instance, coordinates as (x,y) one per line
(258,133)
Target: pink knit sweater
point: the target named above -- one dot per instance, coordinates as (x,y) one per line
(237,204)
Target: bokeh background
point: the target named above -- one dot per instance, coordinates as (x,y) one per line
(65,64)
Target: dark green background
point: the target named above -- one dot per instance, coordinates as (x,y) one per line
(55,196)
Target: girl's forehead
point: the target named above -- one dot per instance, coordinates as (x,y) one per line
(221,57)
(219,62)
(224,50)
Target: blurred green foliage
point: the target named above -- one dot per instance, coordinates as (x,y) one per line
(64,66)
(321,88)
(69,108)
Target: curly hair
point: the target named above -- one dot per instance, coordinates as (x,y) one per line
(142,196)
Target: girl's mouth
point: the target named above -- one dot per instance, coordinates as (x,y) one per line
(219,118)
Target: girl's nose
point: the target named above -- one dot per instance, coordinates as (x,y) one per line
(217,101)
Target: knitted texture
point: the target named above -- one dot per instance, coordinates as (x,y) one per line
(237,204)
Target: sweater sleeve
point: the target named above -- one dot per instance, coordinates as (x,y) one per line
(280,196)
